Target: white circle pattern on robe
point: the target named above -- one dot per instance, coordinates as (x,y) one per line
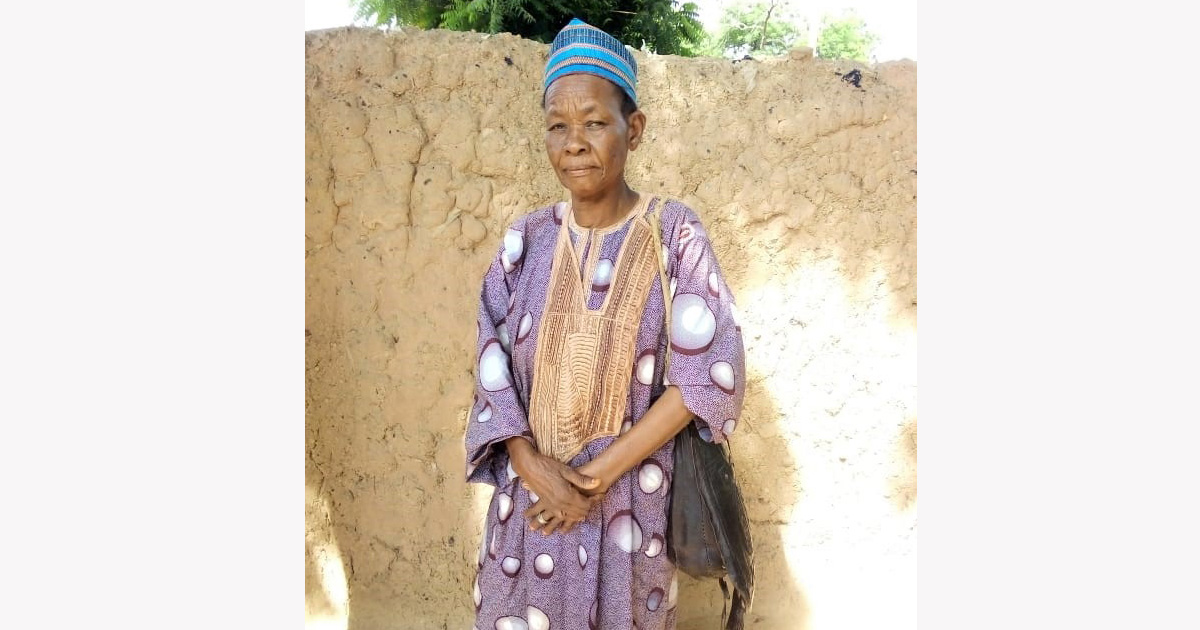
(494,548)
(728,427)
(603,275)
(723,377)
(645,367)
(693,324)
(560,212)
(655,546)
(582,557)
(478,595)
(533,497)
(511,623)
(592,617)
(512,474)
(537,618)
(511,566)
(654,600)
(650,476)
(686,234)
(714,284)
(673,592)
(543,565)
(514,249)
(504,506)
(624,532)
(502,335)
(524,327)
(485,414)
(493,368)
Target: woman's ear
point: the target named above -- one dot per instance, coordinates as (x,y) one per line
(637,126)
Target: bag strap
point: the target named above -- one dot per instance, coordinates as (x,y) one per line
(660,255)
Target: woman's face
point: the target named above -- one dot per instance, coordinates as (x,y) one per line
(587,138)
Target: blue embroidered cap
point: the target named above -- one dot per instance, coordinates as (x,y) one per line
(583,48)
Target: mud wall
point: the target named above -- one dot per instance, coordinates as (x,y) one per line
(421,147)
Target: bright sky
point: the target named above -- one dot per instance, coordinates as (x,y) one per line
(894,21)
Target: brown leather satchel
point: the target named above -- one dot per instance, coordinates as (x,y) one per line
(708,532)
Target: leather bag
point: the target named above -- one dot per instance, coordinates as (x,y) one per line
(708,532)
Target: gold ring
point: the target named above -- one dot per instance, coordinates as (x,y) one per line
(541,519)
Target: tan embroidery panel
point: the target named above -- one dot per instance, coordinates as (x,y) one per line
(584,359)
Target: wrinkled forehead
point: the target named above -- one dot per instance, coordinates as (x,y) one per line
(580,91)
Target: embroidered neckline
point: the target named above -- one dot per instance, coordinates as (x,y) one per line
(586,270)
(638,207)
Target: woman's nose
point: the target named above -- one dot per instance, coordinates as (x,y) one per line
(575,142)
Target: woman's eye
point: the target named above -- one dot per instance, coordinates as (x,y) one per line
(557,127)
(595,123)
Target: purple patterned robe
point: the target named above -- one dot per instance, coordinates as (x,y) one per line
(612,571)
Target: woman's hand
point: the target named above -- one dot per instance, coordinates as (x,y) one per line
(561,503)
(593,470)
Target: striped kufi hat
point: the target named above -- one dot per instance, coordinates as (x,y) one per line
(583,48)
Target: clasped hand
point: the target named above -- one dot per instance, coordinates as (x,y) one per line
(564,495)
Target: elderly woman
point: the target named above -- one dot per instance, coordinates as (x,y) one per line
(573,416)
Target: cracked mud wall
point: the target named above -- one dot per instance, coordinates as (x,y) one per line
(422,146)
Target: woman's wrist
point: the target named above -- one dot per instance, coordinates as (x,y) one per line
(659,425)
(519,449)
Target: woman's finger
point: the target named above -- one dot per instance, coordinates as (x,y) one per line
(552,521)
(556,520)
(549,507)
(564,499)
(550,526)
(536,523)
(547,501)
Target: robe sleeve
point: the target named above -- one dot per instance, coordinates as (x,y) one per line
(497,413)
(708,362)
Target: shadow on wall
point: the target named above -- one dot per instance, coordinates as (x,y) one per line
(797,167)
(811,204)
(771,487)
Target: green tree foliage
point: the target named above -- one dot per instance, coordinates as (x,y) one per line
(846,37)
(666,27)
(420,13)
(768,28)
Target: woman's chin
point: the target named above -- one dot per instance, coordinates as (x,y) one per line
(584,190)
(580,192)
